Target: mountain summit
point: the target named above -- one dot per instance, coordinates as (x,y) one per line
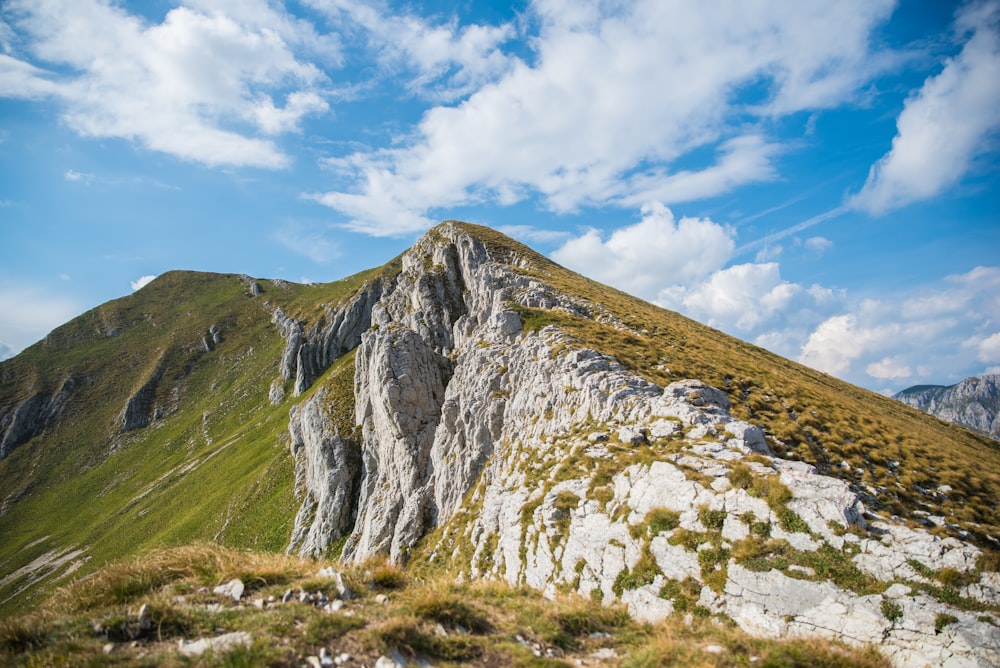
(473,407)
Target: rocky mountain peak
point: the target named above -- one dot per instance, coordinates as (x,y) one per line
(508,451)
(474,408)
(972,403)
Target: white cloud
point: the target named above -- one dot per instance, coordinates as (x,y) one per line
(199,86)
(651,255)
(617,96)
(818,245)
(142,282)
(447,61)
(681,265)
(6,351)
(28,313)
(945,124)
(888,368)
(945,331)
(989,349)
(81,177)
(742,297)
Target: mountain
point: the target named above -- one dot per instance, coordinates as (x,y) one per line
(473,409)
(973,403)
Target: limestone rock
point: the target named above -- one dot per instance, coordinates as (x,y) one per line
(234,588)
(327,467)
(217,645)
(556,468)
(22,422)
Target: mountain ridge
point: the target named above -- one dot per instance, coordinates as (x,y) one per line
(475,406)
(973,403)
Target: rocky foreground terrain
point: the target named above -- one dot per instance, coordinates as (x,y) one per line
(471,415)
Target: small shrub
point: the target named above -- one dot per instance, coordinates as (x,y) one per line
(790,521)
(687,538)
(388,576)
(772,490)
(684,593)
(740,475)
(712,519)
(662,519)
(22,634)
(323,628)
(891,610)
(451,611)
(643,573)
(761,529)
(942,620)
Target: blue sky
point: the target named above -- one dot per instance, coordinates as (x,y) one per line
(819,178)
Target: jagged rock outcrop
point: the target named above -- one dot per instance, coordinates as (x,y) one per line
(22,422)
(327,467)
(550,465)
(309,352)
(973,403)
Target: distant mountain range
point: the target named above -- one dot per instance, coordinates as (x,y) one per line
(973,403)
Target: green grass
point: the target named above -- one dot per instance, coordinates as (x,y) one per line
(214,467)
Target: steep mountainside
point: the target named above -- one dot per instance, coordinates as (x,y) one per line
(473,408)
(973,403)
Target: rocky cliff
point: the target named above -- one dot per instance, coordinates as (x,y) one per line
(504,448)
(973,403)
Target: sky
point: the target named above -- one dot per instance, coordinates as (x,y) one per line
(818,178)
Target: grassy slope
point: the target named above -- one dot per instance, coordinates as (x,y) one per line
(216,468)
(898,456)
(503,626)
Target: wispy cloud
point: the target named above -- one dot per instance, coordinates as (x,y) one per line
(309,241)
(943,126)
(28,313)
(78,177)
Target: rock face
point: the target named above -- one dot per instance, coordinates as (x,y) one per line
(548,464)
(25,420)
(973,403)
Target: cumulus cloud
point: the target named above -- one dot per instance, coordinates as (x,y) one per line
(655,253)
(201,85)
(681,265)
(142,282)
(945,124)
(938,333)
(613,108)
